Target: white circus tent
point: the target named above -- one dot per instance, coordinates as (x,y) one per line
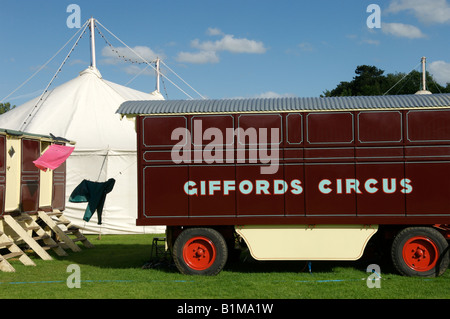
(84,110)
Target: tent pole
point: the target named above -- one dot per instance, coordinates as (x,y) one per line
(157,75)
(92,26)
(424,76)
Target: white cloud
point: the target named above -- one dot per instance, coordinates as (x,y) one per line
(78,61)
(427,11)
(198,57)
(266,95)
(135,70)
(440,71)
(271,94)
(116,55)
(214,31)
(208,50)
(230,44)
(402,30)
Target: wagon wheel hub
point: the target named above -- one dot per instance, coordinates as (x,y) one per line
(419,253)
(199,253)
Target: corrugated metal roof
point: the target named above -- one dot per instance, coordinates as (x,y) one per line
(290,104)
(50,137)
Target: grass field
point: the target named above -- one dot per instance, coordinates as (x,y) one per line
(114,270)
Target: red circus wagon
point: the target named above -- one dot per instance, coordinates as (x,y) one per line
(297,178)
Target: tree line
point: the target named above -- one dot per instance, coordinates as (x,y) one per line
(370,80)
(5,107)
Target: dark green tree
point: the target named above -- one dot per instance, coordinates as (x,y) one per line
(5,107)
(369,80)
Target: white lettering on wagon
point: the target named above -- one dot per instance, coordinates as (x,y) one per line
(246,187)
(370,186)
(280,186)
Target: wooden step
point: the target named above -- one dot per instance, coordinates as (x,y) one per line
(13,254)
(55,213)
(59,222)
(51,246)
(32,227)
(46,236)
(6,244)
(71,230)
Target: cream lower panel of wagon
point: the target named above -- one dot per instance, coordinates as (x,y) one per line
(306,242)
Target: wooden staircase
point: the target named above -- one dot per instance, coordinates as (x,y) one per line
(24,226)
(42,232)
(63,227)
(7,244)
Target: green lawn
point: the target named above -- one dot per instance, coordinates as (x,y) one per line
(114,270)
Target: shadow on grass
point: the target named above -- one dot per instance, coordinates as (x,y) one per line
(247,264)
(110,255)
(141,256)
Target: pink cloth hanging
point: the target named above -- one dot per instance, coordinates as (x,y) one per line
(53,157)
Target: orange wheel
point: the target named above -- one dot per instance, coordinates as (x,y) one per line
(420,251)
(199,253)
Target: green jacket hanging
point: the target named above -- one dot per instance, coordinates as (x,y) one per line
(95,194)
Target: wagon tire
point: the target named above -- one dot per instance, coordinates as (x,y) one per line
(200,251)
(420,251)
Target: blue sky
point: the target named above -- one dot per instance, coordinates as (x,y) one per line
(223,49)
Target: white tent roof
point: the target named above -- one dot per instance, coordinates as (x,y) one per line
(82,110)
